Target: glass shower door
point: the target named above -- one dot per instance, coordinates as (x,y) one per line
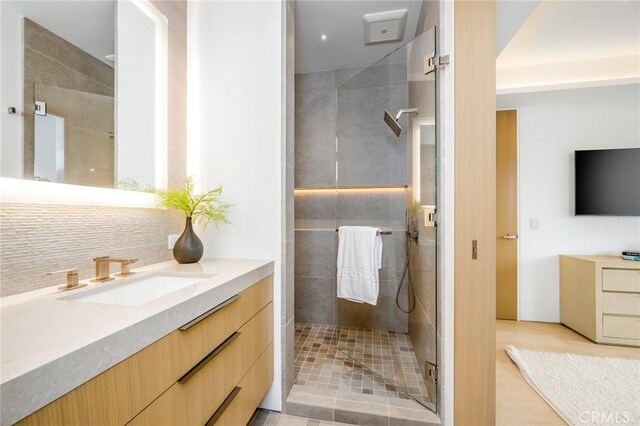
(423,320)
(388,180)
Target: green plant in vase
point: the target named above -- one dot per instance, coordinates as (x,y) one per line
(203,209)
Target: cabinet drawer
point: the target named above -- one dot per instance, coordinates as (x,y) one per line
(120,393)
(200,336)
(621,280)
(242,402)
(621,303)
(197,395)
(621,327)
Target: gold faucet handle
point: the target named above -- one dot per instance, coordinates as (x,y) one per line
(122,260)
(125,270)
(72,279)
(72,271)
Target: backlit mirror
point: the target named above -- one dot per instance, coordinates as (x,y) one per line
(84,92)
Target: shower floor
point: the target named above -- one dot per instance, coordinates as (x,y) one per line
(379,365)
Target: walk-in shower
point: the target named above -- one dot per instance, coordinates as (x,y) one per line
(352,170)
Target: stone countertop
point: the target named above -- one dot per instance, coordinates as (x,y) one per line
(51,346)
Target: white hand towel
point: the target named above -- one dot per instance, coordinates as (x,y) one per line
(359,259)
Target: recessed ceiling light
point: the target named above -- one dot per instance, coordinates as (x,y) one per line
(323,37)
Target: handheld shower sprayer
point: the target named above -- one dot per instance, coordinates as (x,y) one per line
(393,122)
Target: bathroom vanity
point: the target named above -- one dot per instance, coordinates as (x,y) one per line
(202,354)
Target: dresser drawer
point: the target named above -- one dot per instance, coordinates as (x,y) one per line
(621,303)
(197,395)
(244,399)
(621,280)
(621,327)
(120,393)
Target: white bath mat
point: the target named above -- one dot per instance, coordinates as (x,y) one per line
(583,389)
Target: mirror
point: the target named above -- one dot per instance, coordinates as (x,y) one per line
(84,93)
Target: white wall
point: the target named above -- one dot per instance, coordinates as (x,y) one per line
(551,126)
(11,90)
(239,59)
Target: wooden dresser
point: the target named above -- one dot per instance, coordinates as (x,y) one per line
(600,298)
(215,369)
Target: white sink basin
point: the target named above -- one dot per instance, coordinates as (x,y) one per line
(136,291)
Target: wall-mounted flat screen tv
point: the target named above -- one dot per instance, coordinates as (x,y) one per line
(608,182)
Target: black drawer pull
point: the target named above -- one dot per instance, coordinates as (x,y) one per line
(209,312)
(184,379)
(220,411)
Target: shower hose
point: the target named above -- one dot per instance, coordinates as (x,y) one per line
(407,274)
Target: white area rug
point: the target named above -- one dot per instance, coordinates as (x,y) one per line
(583,389)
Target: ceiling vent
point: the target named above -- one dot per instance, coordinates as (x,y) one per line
(384,27)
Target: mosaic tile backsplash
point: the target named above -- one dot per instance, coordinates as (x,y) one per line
(36,239)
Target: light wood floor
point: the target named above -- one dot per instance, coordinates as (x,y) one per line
(516,402)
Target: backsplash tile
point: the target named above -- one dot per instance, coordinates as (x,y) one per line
(38,238)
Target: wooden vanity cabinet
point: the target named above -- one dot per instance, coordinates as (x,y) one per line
(189,377)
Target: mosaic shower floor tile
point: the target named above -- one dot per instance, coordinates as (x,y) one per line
(378,363)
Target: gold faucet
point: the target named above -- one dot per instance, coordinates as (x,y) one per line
(72,279)
(103,271)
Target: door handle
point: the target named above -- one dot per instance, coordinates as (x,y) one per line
(510,237)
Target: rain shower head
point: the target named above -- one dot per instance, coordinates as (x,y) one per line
(393,122)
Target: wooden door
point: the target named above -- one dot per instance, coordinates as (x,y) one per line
(506,215)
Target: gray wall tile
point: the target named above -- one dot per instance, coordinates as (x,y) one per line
(288,281)
(315,135)
(288,357)
(381,208)
(394,256)
(315,300)
(372,160)
(315,254)
(383,74)
(384,316)
(343,75)
(315,209)
(315,82)
(423,336)
(361,111)
(423,271)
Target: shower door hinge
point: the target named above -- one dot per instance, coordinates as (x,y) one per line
(431,372)
(431,62)
(41,108)
(430,216)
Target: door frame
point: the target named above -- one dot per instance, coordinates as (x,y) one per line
(518,217)
(474,216)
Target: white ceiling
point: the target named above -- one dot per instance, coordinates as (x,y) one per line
(510,15)
(572,42)
(88,24)
(562,31)
(342,23)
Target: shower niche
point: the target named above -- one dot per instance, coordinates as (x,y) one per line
(366,153)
